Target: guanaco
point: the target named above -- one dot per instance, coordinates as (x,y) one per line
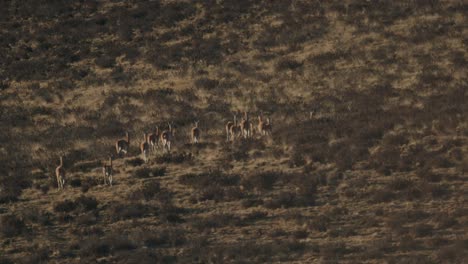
(108,172)
(246,127)
(166,138)
(195,133)
(144,147)
(60,173)
(153,139)
(235,130)
(123,145)
(229,125)
(264,128)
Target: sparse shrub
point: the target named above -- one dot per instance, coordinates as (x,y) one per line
(455,253)
(65,206)
(88,182)
(261,181)
(216,221)
(206,83)
(11,226)
(176,158)
(333,251)
(214,177)
(127,211)
(164,238)
(150,189)
(105,61)
(150,172)
(400,183)
(247,203)
(297,160)
(288,64)
(86,203)
(283,200)
(300,234)
(82,203)
(94,247)
(38,255)
(75,182)
(422,230)
(134,162)
(12,186)
(383,196)
(44,188)
(445,221)
(320,223)
(408,243)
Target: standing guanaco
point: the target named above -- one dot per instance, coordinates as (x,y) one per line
(153,139)
(60,174)
(108,172)
(235,130)
(246,127)
(166,138)
(195,133)
(144,147)
(264,128)
(123,145)
(229,125)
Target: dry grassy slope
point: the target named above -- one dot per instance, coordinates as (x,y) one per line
(377,175)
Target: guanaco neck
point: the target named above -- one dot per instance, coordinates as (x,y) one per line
(128,138)
(61,161)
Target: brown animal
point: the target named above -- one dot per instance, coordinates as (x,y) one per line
(108,172)
(235,130)
(123,145)
(166,138)
(229,125)
(195,133)
(264,128)
(153,139)
(60,174)
(144,147)
(246,126)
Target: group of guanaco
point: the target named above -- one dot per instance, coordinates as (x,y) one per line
(234,130)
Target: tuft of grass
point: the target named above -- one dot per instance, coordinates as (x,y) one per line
(11,226)
(143,173)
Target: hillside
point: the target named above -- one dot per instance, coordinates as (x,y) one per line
(366,163)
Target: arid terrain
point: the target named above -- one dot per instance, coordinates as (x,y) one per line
(366,162)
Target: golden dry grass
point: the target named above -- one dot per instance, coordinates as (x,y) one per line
(377,174)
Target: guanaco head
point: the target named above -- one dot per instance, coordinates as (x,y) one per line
(196,123)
